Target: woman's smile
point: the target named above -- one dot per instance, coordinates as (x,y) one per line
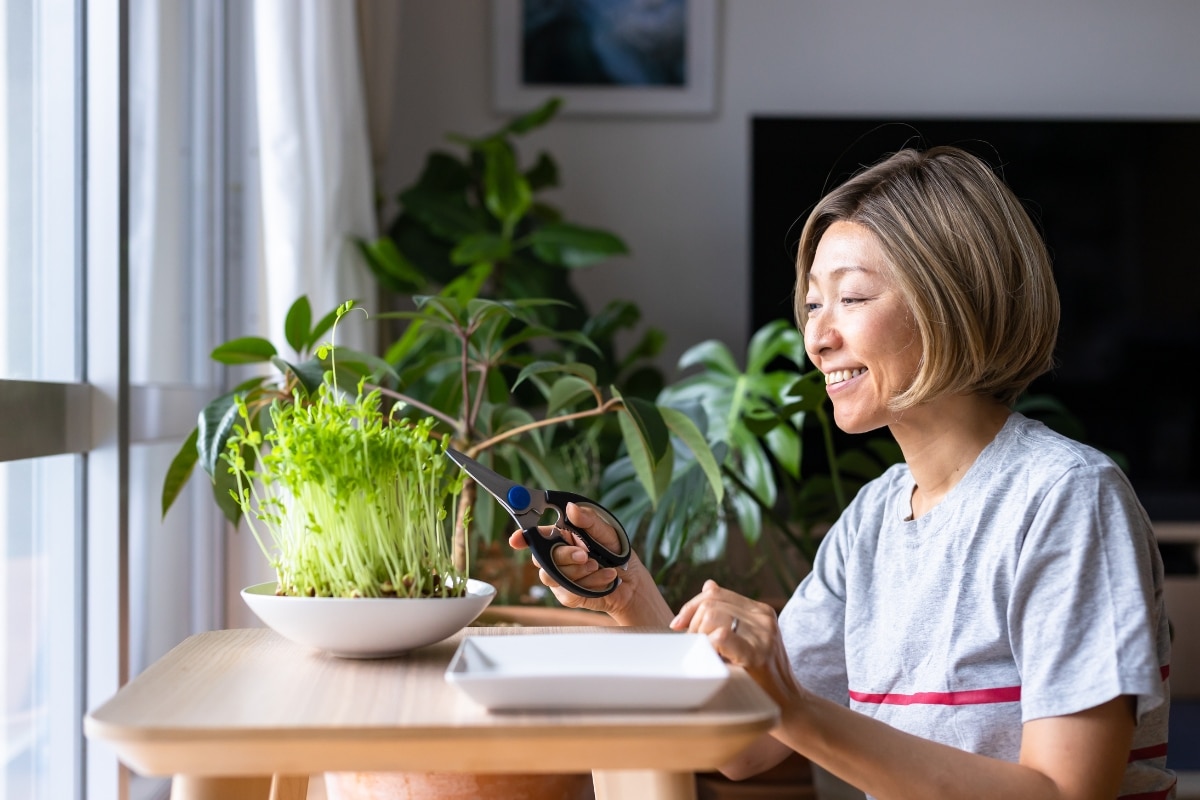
(842,375)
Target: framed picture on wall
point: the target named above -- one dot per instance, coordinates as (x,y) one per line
(605,56)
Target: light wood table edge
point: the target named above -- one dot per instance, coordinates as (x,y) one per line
(691,750)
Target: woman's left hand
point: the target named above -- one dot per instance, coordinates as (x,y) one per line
(744,632)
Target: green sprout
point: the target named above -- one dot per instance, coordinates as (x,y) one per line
(347,500)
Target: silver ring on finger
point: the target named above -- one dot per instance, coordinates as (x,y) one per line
(733,626)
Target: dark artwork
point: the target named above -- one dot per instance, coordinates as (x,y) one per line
(604,43)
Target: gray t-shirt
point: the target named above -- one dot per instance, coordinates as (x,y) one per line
(1034,589)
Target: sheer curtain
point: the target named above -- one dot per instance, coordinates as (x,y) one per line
(315,171)
(311,192)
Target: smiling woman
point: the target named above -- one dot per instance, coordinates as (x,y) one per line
(857,328)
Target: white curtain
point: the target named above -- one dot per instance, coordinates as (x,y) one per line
(310,195)
(164,565)
(315,175)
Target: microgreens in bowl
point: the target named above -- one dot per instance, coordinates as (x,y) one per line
(348,500)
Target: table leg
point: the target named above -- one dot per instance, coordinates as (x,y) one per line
(289,787)
(188,787)
(644,783)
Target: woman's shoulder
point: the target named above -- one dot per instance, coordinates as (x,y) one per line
(1026,441)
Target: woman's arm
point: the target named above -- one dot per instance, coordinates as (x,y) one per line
(1075,757)
(1071,757)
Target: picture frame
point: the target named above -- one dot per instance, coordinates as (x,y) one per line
(686,87)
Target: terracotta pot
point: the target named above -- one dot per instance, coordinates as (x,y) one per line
(455,786)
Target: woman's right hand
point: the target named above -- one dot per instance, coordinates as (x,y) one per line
(630,603)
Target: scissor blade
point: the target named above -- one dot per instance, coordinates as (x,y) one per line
(496,484)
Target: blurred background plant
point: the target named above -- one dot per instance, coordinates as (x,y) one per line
(480,211)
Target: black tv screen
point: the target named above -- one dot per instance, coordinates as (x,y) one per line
(1118,202)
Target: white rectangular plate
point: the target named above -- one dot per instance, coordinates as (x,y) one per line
(628,671)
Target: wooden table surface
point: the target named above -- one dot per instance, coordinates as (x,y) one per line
(234,704)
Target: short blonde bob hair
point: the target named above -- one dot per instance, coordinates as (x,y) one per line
(968,261)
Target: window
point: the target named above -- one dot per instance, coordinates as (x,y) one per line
(111,272)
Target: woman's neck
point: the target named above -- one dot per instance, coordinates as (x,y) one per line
(941,440)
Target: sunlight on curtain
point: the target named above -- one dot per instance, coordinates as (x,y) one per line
(175,190)
(315,163)
(311,194)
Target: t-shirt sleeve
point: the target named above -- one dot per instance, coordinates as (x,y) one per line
(1083,613)
(813,622)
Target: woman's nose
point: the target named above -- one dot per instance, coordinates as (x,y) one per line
(819,335)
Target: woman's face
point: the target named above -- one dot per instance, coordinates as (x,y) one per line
(859,331)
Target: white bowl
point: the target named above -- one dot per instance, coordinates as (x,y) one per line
(367,627)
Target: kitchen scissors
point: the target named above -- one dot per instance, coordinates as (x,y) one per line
(526,507)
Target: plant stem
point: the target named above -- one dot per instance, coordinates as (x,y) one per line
(466,501)
(604,408)
(834,473)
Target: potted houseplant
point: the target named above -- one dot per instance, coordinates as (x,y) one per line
(351,505)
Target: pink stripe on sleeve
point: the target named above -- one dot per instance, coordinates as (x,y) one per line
(1004,694)
(1143,753)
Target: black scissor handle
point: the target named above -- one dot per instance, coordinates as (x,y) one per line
(543,547)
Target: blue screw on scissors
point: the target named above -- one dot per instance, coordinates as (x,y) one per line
(526,507)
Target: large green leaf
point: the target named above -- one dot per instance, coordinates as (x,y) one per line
(617,315)
(542,175)
(310,374)
(244,350)
(477,247)
(390,266)
(448,308)
(566,392)
(711,355)
(649,421)
(639,455)
(297,324)
(776,339)
(180,470)
(807,393)
(447,215)
(506,193)
(786,446)
(681,425)
(575,246)
(443,172)
(213,428)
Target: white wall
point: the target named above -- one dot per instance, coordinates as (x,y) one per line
(677,189)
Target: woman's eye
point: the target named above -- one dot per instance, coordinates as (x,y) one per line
(811,307)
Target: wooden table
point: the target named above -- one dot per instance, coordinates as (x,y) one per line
(247,714)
